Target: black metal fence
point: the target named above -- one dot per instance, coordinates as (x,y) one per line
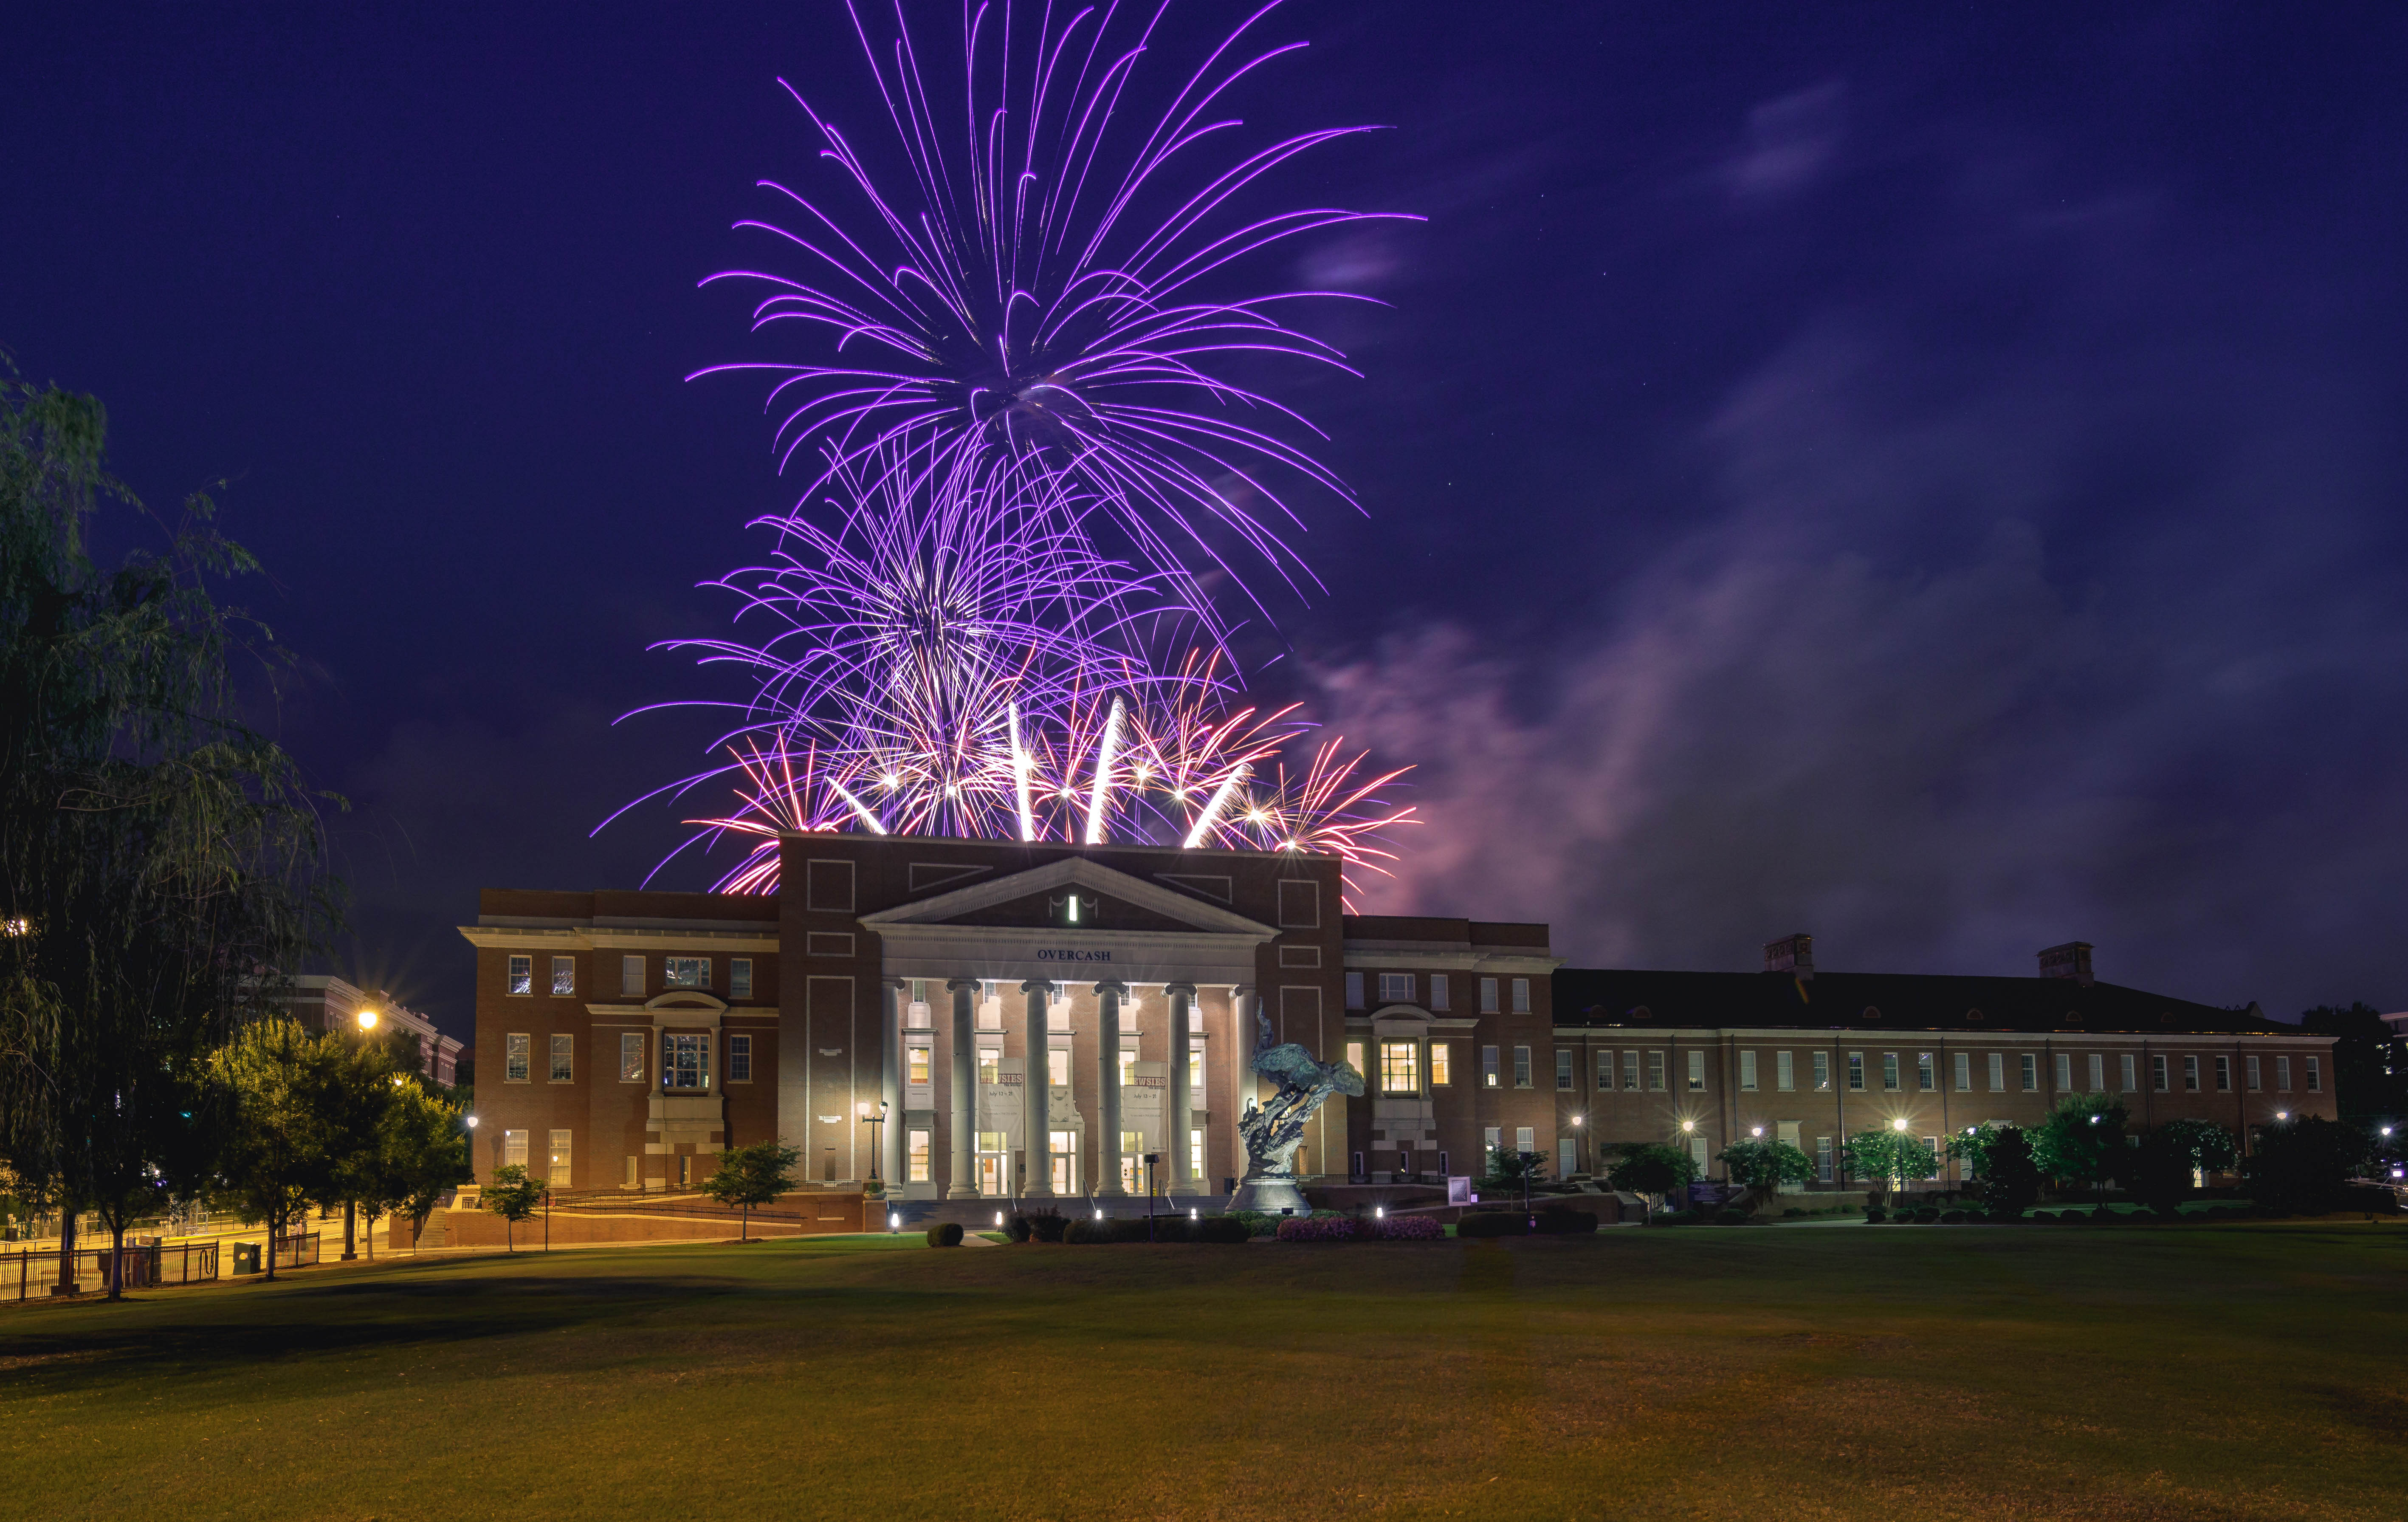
(29,1275)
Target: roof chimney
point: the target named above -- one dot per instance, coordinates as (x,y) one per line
(1794,954)
(2071,960)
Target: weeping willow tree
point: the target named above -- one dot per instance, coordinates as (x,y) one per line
(159,860)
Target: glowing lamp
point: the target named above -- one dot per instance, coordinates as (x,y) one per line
(1898,1124)
(1755,1130)
(1688,1126)
(367,1018)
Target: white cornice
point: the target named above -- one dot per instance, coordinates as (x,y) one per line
(929,913)
(538,938)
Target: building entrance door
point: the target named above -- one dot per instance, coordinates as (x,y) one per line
(1066,1163)
(991,1181)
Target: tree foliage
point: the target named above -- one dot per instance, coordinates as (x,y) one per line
(1653,1168)
(303,1114)
(157,856)
(1765,1165)
(2370,1065)
(2304,1163)
(2082,1140)
(514,1195)
(1512,1169)
(751,1176)
(1892,1156)
(2004,1177)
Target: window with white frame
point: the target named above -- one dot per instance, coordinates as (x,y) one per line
(1631,1071)
(1521,996)
(2031,1066)
(1784,1072)
(1128,1067)
(1493,1138)
(2064,1070)
(685,972)
(1696,1071)
(1354,1060)
(631,1056)
(1488,1067)
(2131,1084)
(564,1052)
(1525,1141)
(1057,1067)
(739,1059)
(2224,1075)
(1964,1066)
(1925,1077)
(1196,1073)
(1822,1072)
(1396,987)
(2157,1071)
(514,1149)
(1823,1158)
(1521,1066)
(2098,1072)
(917,1058)
(518,1049)
(1195,1153)
(560,1173)
(1998,1073)
(739,977)
(685,1060)
(2249,1071)
(521,974)
(1747,1072)
(631,976)
(2190,1075)
(1438,991)
(916,1159)
(990,1070)
(1889,1072)
(2281,1075)
(1604,1070)
(563,976)
(1655,1073)
(2315,1075)
(1441,1065)
(1354,990)
(1856,1072)
(1400,1067)
(1565,1080)
(1488,996)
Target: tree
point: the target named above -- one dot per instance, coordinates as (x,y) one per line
(1891,1155)
(421,1151)
(1766,1166)
(156,854)
(2369,1062)
(1653,1168)
(2083,1140)
(2005,1179)
(2304,1163)
(304,1110)
(754,1175)
(513,1195)
(1512,1171)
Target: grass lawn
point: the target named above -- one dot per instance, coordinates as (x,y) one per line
(2229,1370)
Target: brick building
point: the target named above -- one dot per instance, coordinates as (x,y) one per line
(323,1002)
(888,1012)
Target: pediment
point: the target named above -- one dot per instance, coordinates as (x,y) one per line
(1026,898)
(685,998)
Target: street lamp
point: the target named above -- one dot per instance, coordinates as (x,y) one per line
(367,1018)
(875,1119)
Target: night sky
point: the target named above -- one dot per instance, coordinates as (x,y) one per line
(1931,476)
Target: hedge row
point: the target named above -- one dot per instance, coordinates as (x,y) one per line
(1358,1229)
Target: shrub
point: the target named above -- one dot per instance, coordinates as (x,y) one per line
(1410,1228)
(1038,1226)
(1875,1215)
(1564,1221)
(1493,1224)
(1953,1217)
(1316,1229)
(1726,1216)
(1927,1215)
(1222,1228)
(945,1234)
(1260,1222)
(2048,1216)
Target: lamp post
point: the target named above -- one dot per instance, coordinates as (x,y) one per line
(365,1018)
(875,1118)
(1151,1158)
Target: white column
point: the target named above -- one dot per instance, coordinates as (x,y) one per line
(962,1183)
(1180,1111)
(1037,1094)
(890,1083)
(1107,1089)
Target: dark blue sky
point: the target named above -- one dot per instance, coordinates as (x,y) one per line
(1932,478)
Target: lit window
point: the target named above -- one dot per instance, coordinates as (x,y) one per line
(685,1060)
(1822,1072)
(1823,1158)
(521,974)
(1488,1067)
(517,1049)
(1696,1072)
(1355,1058)
(1889,1071)
(739,977)
(514,1149)
(1057,1067)
(1521,996)
(1396,987)
(563,976)
(1195,1153)
(1441,1069)
(1784,1072)
(685,972)
(1655,1072)
(563,1051)
(1196,1073)
(1354,990)
(739,1059)
(1438,991)
(1493,1138)
(559,1173)
(1855,1071)
(1747,1072)
(1521,1066)
(1128,1075)
(916,1061)
(990,1069)
(2029,1063)
(631,977)
(1926,1078)
(1563,1068)
(1488,996)
(631,1056)
(916,1158)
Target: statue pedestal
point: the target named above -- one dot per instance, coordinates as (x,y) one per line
(1270,1196)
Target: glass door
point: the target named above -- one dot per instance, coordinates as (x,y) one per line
(1066,1163)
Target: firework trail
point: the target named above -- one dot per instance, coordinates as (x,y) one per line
(1036,279)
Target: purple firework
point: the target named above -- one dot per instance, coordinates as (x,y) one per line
(1039,287)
